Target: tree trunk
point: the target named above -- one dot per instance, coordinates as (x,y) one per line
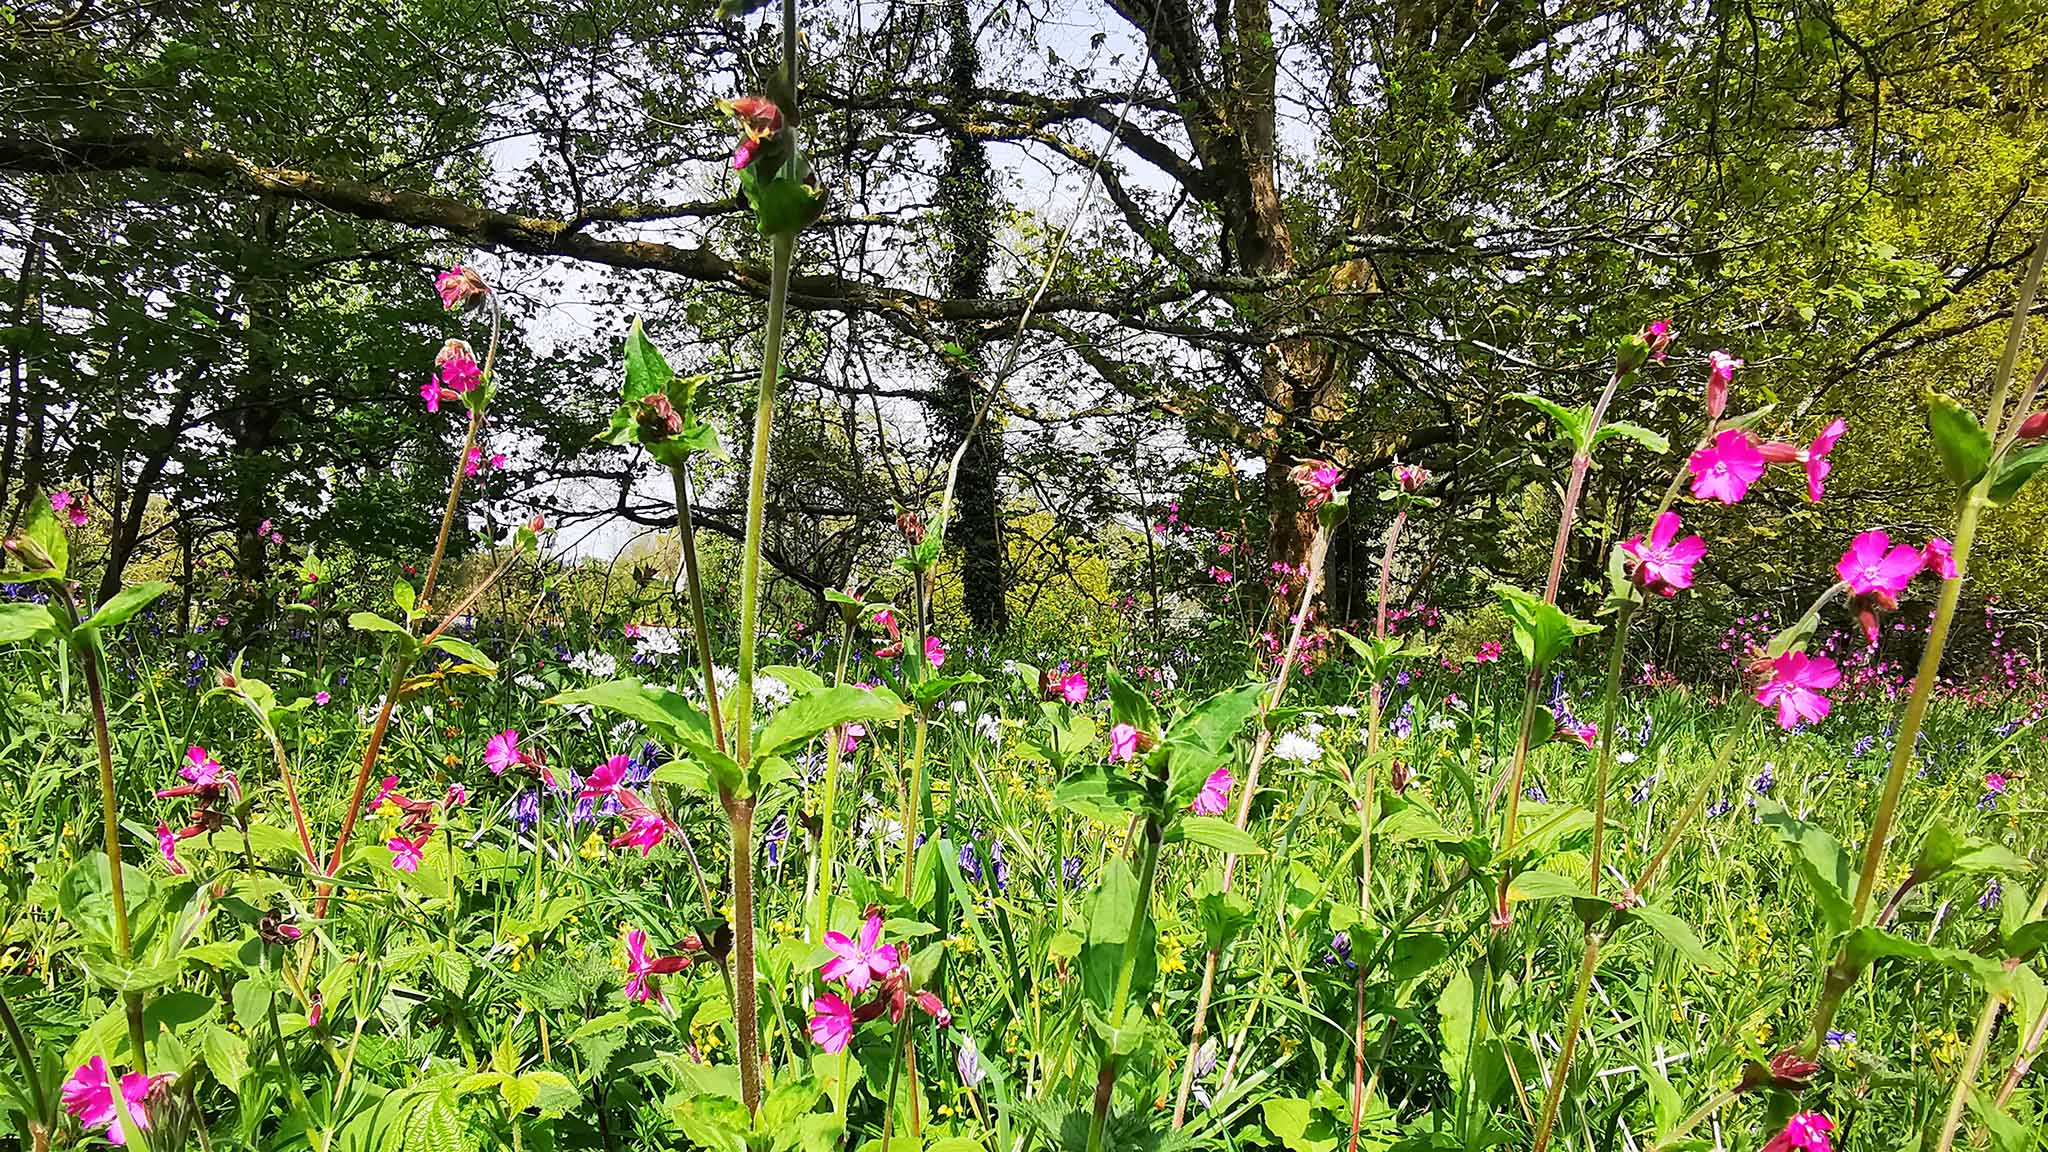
(968,204)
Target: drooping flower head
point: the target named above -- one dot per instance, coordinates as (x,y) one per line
(1317,480)
(459,287)
(456,367)
(200,767)
(760,123)
(1725,471)
(1657,334)
(1815,458)
(1720,373)
(860,962)
(1214,798)
(1663,564)
(646,827)
(1795,686)
(406,854)
(1804,1132)
(1123,742)
(1939,557)
(167,843)
(935,651)
(1410,477)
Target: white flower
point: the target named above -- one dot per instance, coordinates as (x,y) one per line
(1441,723)
(1348,711)
(959,707)
(1168,676)
(988,728)
(598,665)
(876,825)
(659,641)
(1625,757)
(529,682)
(770,692)
(623,729)
(1298,747)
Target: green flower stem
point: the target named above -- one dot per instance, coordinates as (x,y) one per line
(1319,549)
(1510,827)
(1588,961)
(757,499)
(1967,1074)
(31,1072)
(686,532)
(828,805)
(1105,1081)
(88,654)
(1699,1116)
(739,812)
(1582,461)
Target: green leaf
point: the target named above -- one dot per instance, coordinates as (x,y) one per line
(1635,432)
(226,1055)
(123,605)
(2015,469)
(1571,422)
(807,716)
(661,710)
(1127,705)
(1215,722)
(647,370)
(1868,943)
(1216,832)
(1945,851)
(1536,884)
(1964,447)
(1542,630)
(465,651)
(23,622)
(371,622)
(43,531)
(1819,859)
(1682,938)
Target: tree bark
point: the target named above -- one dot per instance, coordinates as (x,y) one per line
(967,202)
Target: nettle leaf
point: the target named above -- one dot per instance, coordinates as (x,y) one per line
(1127,705)
(1542,630)
(1820,860)
(23,622)
(1216,721)
(806,716)
(1962,443)
(1635,432)
(2015,469)
(1571,422)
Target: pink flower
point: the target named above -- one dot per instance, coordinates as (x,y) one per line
(1488,653)
(1214,797)
(1872,565)
(646,832)
(70,507)
(457,796)
(1664,564)
(1410,477)
(934,651)
(472,460)
(88,1096)
(1796,683)
(759,120)
(1804,1132)
(458,286)
(849,738)
(1939,557)
(1317,480)
(1123,742)
(1074,688)
(405,854)
(1725,471)
(386,788)
(497,461)
(1220,575)
(1584,735)
(433,394)
(1994,783)
(455,372)
(860,962)
(321,698)
(831,1023)
(167,843)
(605,780)
(1658,336)
(1720,373)
(1815,457)
(502,752)
(200,767)
(637,967)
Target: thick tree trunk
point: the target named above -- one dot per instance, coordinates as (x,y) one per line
(126,531)
(968,203)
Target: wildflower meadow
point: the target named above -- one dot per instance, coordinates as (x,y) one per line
(1648,756)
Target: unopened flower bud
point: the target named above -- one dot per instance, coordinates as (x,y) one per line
(1658,337)
(459,287)
(658,419)
(1630,353)
(1780,452)
(2035,427)
(31,554)
(761,127)
(1410,477)
(1720,373)
(912,527)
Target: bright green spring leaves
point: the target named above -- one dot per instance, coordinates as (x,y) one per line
(658,408)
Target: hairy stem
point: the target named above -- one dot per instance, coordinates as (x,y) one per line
(1105,1081)
(686,531)
(1967,1074)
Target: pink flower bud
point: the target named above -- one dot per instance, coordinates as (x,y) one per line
(1780,452)
(459,287)
(1410,477)
(2035,427)
(1658,337)
(1720,373)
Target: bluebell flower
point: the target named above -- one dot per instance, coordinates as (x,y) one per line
(1339,951)
(1642,793)
(526,810)
(1070,872)
(1837,1038)
(777,837)
(1721,807)
(1993,893)
(970,864)
(1534,794)
(998,868)
(1765,780)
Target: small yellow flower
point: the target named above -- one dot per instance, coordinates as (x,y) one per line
(592,848)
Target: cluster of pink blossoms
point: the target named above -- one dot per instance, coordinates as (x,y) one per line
(415,817)
(1725,470)
(639,966)
(646,827)
(69,505)
(209,787)
(860,964)
(1127,740)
